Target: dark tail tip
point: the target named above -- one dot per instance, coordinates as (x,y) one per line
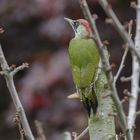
(95,106)
(91,104)
(88,107)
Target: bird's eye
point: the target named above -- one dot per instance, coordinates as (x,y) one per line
(75,24)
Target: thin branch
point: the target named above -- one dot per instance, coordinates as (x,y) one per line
(130,24)
(125,79)
(127,93)
(125,99)
(135,77)
(3,61)
(67,136)
(133,4)
(119,27)
(121,65)
(2,72)
(107,69)
(1,30)
(82,134)
(18,122)
(137,113)
(40,131)
(117,138)
(19,68)
(14,95)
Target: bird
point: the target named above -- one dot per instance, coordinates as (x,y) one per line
(84,61)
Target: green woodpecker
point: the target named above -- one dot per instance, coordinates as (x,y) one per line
(84,60)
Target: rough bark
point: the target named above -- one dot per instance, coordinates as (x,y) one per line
(101,125)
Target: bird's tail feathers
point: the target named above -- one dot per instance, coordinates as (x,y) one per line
(90,102)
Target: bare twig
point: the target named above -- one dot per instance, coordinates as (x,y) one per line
(18,122)
(14,95)
(134,48)
(81,135)
(2,72)
(107,69)
(1,30)
(74,135)
(125,79)
(137,113)
(133,4)
(130,25)
(125,53)
(121,65)
(127,93)
(117,138)
(135,77)
(40,131)
(67,136)
(119,27)
(19,68)
(126,98)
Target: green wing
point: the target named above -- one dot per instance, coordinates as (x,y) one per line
(84,59)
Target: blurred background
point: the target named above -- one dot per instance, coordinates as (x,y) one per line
(35,32)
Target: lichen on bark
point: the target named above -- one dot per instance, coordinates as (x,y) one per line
(102,125)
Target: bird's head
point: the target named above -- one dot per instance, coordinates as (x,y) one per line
(81,27)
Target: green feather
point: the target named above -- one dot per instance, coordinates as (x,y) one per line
(84,60)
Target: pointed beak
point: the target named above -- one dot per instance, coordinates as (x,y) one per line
(70,21)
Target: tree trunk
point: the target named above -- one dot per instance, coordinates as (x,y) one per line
(101,125)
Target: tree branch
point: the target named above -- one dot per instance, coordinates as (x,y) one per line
(119,27)
(11,86)
(135,77)
(121,65)
(81,135)
(124,55)
(67,136)
(19,68)
(18,122)
(125,79)
(40,131)
(107,69)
